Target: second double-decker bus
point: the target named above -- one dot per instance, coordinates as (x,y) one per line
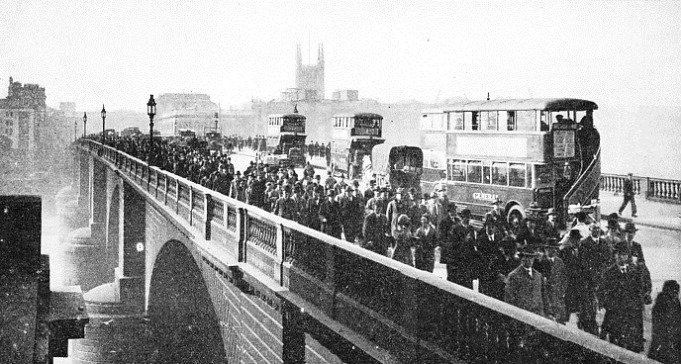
(397,166)
(353,137)
(286,138)
(518,151)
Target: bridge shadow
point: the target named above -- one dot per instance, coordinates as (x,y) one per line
(185,328)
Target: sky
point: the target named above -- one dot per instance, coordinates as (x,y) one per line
(118,52)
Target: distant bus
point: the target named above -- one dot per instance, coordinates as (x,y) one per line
(186,134)
(519,151)
(397,166)
(353,137)
(130,131)
(284,133)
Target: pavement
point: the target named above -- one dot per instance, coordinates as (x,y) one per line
(649,213)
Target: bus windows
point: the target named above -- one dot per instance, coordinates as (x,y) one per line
(526,120)
(474,172)
(488,120)
(486,173)
(472,118)
(543,175)
(544,121)
(499,173)
(455,121)
(510,120)
(457,170)
(516,175)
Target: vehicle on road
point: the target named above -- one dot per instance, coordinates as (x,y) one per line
(397,166)
(519,151)
(352,138)
(286,138)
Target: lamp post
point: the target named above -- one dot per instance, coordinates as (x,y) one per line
(84,124)
(151,111)
(103,124)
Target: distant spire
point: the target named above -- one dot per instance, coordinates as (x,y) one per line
(295,108)
(320,53)
(488,96)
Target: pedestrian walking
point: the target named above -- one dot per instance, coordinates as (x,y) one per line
(628,192)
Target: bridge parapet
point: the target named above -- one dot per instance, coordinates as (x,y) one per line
(388,310)
(656,189)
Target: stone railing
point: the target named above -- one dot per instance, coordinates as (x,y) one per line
(413,315)
(657,189)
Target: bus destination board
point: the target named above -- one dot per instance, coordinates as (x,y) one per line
(563,143)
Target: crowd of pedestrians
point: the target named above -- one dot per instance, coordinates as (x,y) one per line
(526,263)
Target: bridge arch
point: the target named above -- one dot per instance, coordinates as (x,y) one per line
(181,313)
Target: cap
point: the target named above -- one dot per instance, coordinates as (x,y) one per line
(630,227)
(551,211)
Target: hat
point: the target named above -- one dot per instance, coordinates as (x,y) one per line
(614,216)
(630,174)
(630,227)
(426,196)
(400,190)
(497,201)
(551,211)
(466,212)
(412,190)
(533,206)
(403,220)
(451,207)
(330,192)
(528,251)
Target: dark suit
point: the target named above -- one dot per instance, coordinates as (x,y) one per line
(628,192)
(329,217)
(375,231)
(489,251)
(525,291)
(623,295)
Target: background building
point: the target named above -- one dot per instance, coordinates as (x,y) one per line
(180,111)
(22,117)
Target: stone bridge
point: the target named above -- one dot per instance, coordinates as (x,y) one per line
(237,284)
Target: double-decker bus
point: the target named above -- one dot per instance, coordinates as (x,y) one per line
(518,151)
(286,138)
(353,137)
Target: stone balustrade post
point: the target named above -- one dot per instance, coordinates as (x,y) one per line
(207,214)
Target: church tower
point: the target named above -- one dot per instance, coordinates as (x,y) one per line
(310,78)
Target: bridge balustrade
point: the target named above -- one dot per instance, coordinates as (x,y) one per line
(414,315)
(656,189)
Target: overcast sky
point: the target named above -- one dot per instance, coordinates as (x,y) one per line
(119,52)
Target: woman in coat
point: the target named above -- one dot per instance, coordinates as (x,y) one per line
(426,242)
(404,241)
(666,344)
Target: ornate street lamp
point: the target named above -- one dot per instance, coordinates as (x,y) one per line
(103,124)
(84,124)
(151,111)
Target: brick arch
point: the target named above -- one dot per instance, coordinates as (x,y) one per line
(183,319)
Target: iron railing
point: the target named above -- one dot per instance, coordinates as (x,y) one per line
(414,315)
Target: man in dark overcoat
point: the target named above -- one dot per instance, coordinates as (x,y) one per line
(524,284)
(488,245)
(329,215)
(624,290)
